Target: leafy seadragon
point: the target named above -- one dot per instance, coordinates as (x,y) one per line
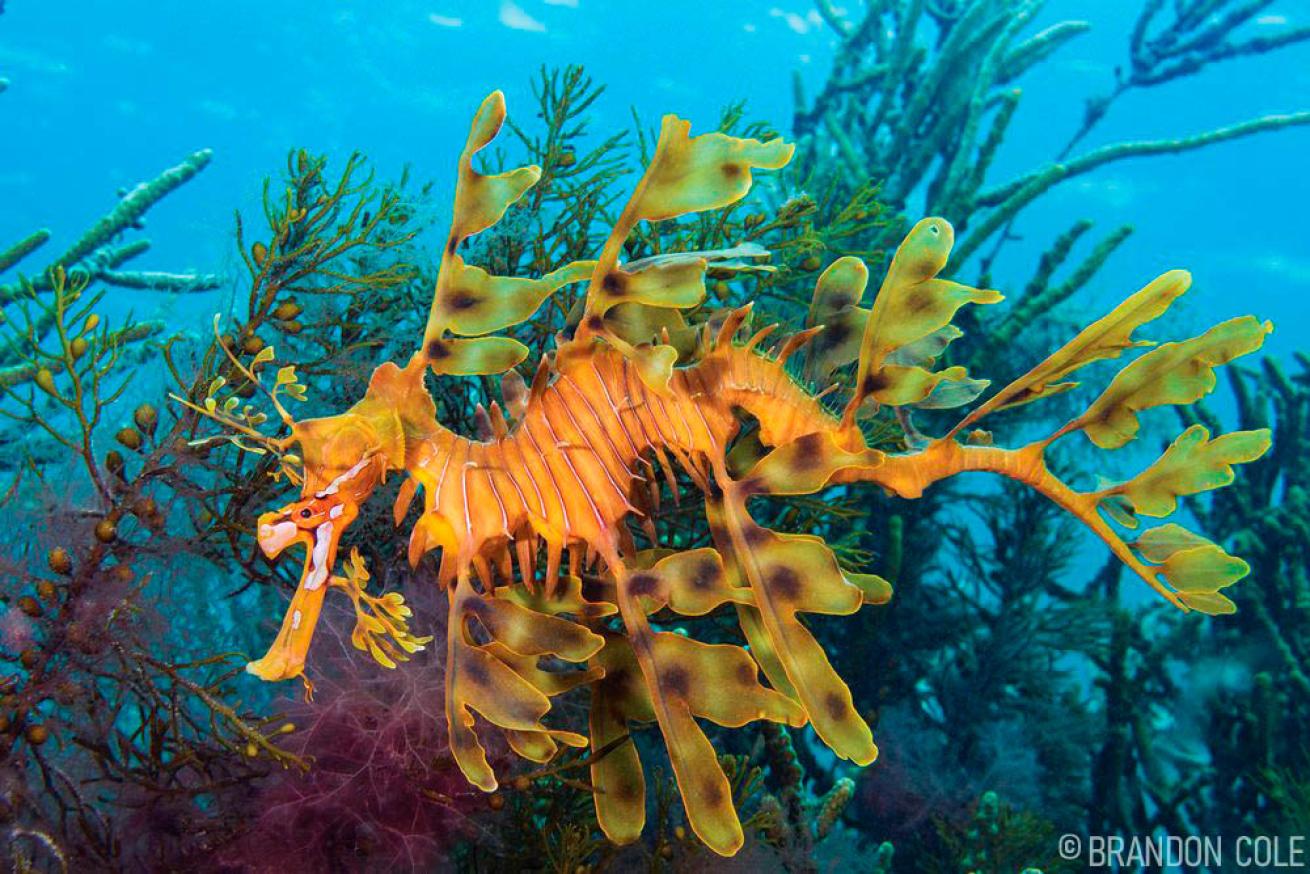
(578,464)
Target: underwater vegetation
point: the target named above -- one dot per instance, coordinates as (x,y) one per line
(576,652)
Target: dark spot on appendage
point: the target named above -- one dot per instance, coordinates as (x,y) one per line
(627,790)
(808,452)
(614,285)
(834,334)
(452,245)
(676,680)
(874,382)
(477,673)
(437,350)
(463,300)
(754,535)
(751,486)
(643,585)
(746,674)
(836,706)
(731,170)
(706,575)
(596,323)
(711,792)
(783,582)
(918,301)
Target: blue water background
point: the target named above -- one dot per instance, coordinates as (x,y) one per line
(104,95)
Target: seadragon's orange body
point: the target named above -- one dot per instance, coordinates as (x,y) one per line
(515,517)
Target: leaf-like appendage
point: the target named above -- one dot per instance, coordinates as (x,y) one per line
(528,632)
(478,681)
(706,793)
(475,356)
(836,306)
(1174,373)
(653,289)
(655,366)
(925,352)
(791,574)
(685,679)
(467,300)
(500,690)
(693,174)
(719,682)
(541,746)
(752,624)
(1193,463)
(912,304)
(1105,338)
(567,598)
(549,683)
(807,464)
(673,285)
(949,394)
(478,303)
(637,325)
(618,698)
(686,174)
(481,201)
(691,583)
(1194,566)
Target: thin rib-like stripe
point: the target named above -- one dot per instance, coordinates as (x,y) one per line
(595,417)
(550,473)
(491,481)
(441,481)
(564,454)
(618,489)
(618,414)
(637,407)
(527,469)
(464,489)
(503,468)
(704,391)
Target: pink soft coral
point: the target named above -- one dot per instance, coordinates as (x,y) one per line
(16,631)
(382,793)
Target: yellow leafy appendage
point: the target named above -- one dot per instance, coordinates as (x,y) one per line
(637,387)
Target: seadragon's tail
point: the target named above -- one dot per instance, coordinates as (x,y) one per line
(909,326)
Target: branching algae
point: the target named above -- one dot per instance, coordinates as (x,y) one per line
(574,458)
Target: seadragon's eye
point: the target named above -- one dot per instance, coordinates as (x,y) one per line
(306,513)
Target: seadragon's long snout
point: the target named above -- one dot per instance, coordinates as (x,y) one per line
(318,523)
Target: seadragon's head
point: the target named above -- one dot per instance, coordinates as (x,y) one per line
(345,458)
